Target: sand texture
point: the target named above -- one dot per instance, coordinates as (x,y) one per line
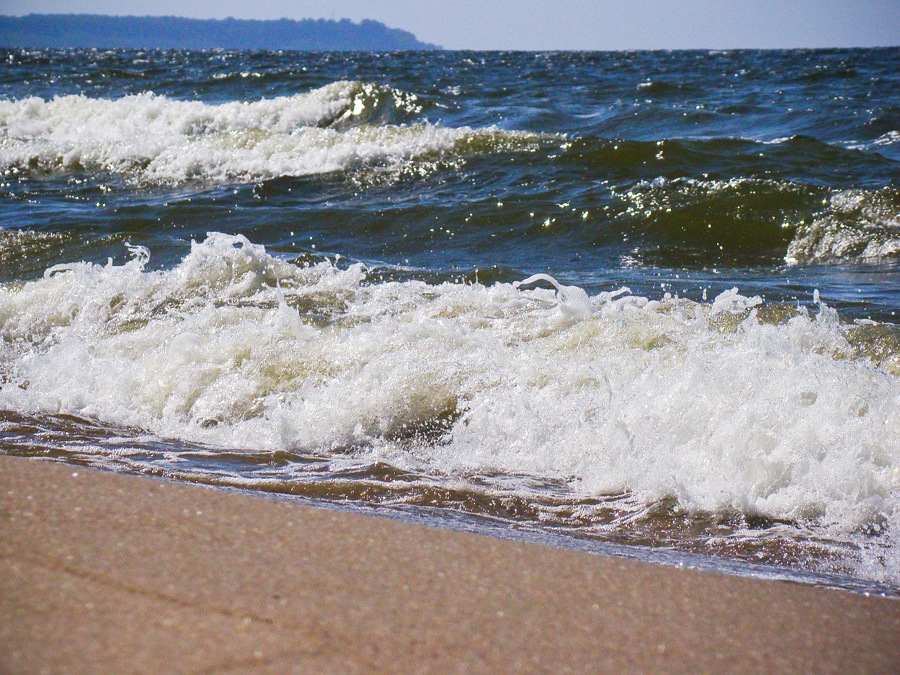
(108,573)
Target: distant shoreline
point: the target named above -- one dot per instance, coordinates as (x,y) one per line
(170,32)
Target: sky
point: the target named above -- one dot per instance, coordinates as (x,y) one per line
(555,24)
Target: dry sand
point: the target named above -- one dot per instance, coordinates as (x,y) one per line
(107,573)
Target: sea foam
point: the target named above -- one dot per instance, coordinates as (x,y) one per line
(155,139)
(705,403)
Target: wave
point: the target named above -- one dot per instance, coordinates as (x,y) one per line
(18,247)
(745,219)
(793,157)
(716,202)
(155,139)
(855,225)
(731,404)
(695,202)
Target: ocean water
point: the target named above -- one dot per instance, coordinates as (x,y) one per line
(640,302)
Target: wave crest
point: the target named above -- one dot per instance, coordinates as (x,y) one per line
(856,225)
(151,138)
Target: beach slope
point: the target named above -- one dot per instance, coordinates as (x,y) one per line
(101,572)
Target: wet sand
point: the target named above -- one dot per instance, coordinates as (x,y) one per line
(102,573)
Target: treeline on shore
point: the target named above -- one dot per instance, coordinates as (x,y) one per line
(169,32)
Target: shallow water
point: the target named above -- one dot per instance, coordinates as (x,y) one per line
(635,299)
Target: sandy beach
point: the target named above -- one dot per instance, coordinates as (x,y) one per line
(106,573)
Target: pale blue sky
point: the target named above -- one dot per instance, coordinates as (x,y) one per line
(559,24)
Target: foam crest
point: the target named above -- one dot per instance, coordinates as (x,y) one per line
(151,138)
(805,224)
(708,403)
(857,225)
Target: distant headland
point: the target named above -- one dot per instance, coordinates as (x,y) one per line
(170,32)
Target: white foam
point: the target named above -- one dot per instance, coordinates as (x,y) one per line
(884,141)
(701,402)
(857,224)
(152,138)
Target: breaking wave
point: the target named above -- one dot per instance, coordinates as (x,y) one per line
(774,411)
(746,219)
(155,139)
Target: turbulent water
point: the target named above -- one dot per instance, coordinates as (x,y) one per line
(637,299)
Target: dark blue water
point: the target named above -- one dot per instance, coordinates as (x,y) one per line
(355,332)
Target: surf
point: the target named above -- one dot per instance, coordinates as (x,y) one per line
(775,412)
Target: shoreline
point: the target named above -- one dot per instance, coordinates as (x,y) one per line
(107,572)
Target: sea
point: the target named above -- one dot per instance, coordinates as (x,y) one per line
(638,303)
